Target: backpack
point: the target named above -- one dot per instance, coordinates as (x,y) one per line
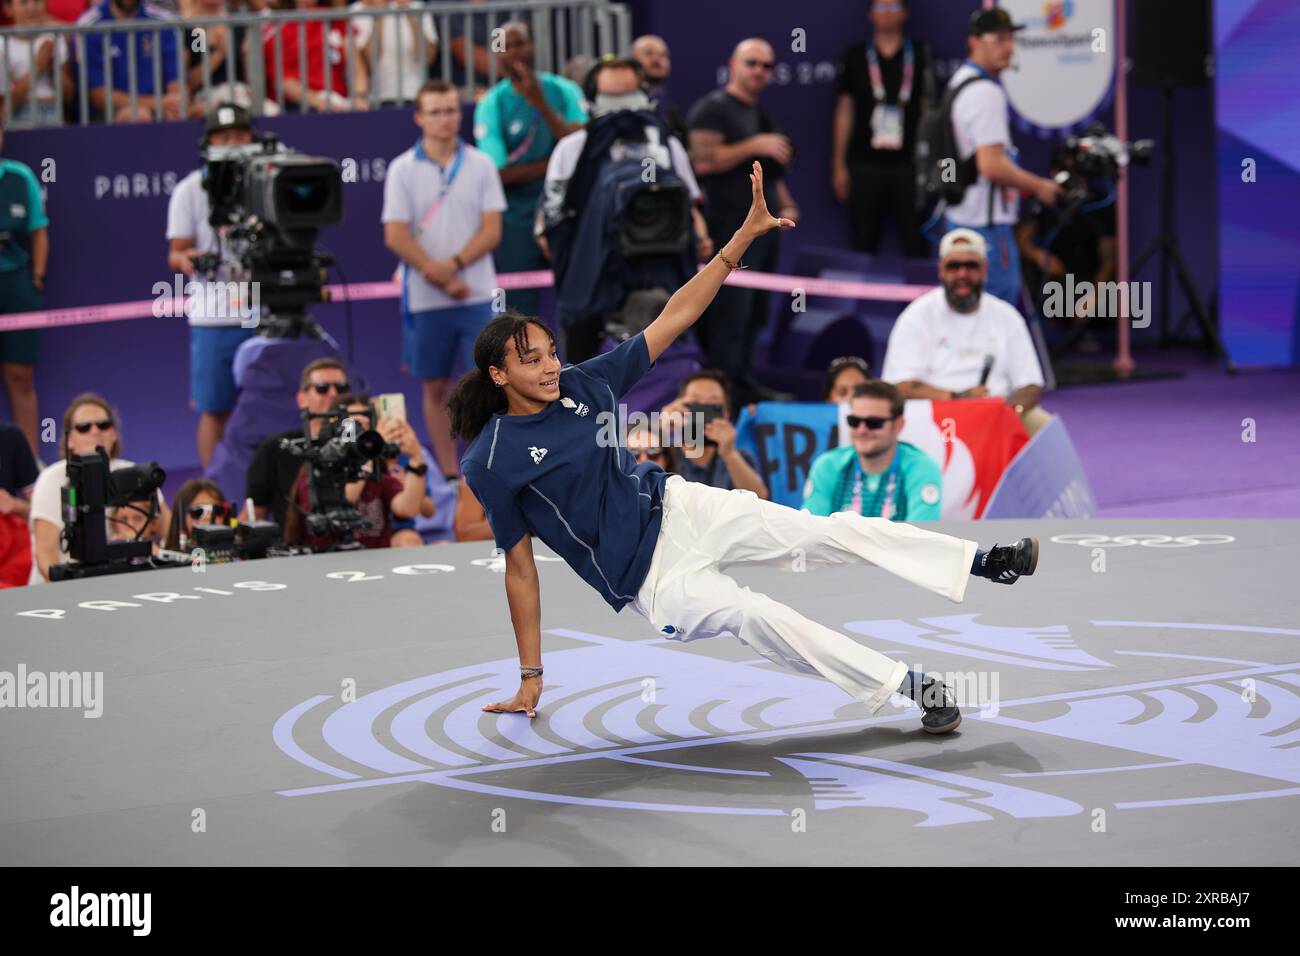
(935,144)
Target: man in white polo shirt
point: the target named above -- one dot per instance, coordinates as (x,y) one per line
(943,341)
(442,217)
(983,134)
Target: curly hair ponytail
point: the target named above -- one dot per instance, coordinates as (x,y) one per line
(476,398)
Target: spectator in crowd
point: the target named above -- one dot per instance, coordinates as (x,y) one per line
(89,422)
(24,252)
(876,476)
(575,70)
(149,46)
(325,44)
(885,85)
(843,376)
(470,57)
(517,123)
(133,522)
(217,325)
(273,471)
(644,445)
(982,131)
(405,534)
(379,500)
(18,473)
(617,85)
(711,457)
(728,131)
(652,53)
(442,218)
(942,341)
(198,501)
(28,68)
(66,11)
(227,61)
(394,60)
(1082,245)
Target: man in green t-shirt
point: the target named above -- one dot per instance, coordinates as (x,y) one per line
(876,475)
(517,123)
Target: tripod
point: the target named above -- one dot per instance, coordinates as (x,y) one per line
(1166,243)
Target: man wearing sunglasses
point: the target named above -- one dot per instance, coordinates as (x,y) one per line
(876,475)
(958,341)
(729,130)
(274,471)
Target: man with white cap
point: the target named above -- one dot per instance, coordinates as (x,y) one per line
(958,341)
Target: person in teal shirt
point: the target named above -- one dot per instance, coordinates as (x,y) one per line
(517,123)
(24,252)
(876,476)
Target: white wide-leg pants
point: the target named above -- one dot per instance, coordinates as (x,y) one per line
(687,596)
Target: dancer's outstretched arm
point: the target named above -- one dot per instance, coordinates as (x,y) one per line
(524,595)
(689,302)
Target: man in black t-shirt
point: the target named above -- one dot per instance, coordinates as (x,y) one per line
(273,473)
(885,85)
(728,131)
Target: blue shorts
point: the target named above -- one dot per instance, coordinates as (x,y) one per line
(430,340)
(212,356)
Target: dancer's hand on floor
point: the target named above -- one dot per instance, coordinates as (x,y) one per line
(530,692)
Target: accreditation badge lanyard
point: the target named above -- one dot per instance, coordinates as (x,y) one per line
(427,219)
(887,118)
(881,505)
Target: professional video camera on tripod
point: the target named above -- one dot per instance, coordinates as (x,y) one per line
(340,453)
(619,229)
(269,203)
(91,489)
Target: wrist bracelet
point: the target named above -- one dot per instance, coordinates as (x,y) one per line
(733,266)
(527,672)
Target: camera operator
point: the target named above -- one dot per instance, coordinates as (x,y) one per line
(273,472)
(982,131)
(1078,240)
(378,499)
(715,460)
(88,423)
(616,86)
(214,338)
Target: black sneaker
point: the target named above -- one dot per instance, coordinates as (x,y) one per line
(1006,565)
(939,713)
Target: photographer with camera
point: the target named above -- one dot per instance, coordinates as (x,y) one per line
(380,496)
(273,472)
(978,107)
(623,127)
(214,338)
(708,446)
(88,423)
(442,218)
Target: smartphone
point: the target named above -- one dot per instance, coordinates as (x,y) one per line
(391,405)
(702,414)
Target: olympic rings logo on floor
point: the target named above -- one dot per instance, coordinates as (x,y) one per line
(1145,540)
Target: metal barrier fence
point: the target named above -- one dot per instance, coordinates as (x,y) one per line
(174,56)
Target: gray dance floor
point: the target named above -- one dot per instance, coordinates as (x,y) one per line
(1136,702)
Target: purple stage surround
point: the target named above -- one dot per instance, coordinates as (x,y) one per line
(107,190)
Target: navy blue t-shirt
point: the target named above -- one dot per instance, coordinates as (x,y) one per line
(564,475)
